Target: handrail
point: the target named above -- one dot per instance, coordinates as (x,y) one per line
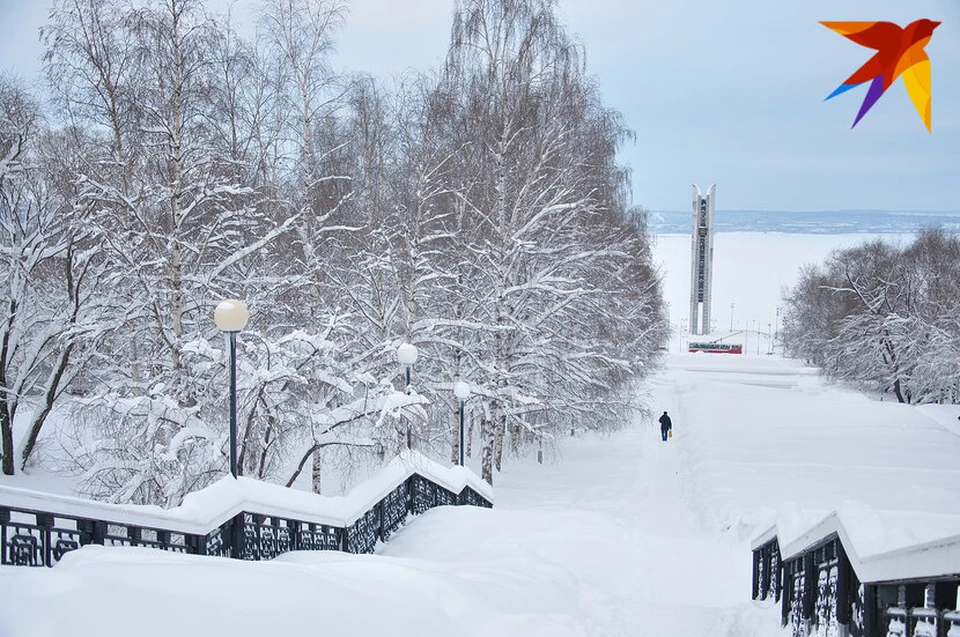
(240,518)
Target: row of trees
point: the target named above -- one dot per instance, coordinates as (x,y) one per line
(883,316)
(477,212)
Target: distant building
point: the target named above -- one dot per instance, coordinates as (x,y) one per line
(701,260)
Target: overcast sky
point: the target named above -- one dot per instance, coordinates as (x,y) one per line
(724,91)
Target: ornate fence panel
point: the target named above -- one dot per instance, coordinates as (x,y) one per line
(818,590)
(822,597)
(427,494)
(38,538)
(951,623)
(263,537)
(362,535)
(793,602)
(922,621)
(471,497)
(826,562)
(766,571)
(393,510)
(33,539)
(897,619)
(925,622)
(318,537)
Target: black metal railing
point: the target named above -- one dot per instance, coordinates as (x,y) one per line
(30,537)
(814,588)
(820,594)
(920,622)
(766,571)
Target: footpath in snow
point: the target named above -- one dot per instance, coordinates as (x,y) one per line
(622,535)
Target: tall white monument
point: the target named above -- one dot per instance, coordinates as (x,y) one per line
(701,260)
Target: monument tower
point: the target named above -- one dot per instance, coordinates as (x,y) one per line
(701,260)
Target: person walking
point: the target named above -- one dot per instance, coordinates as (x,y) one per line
(665,426)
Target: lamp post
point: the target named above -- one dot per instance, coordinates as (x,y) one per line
(407,355)
(731,316)
(231,316)
(462,392)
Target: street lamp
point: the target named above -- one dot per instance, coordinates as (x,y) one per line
(231,316)
(407,355)
(731,316)
(462,392)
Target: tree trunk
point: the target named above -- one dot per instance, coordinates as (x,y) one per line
(898,391)
(8,407)
(316,470)
(487,427)
(455,449)
(6,429)
(49,398)
(500,434)
(468,443)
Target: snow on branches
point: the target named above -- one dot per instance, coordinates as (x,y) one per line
(883,316)
(477,213)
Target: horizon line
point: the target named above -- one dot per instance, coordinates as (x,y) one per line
(955,211)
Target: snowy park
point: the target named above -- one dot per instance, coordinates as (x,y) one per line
(615,534)
(620,535)
(358,317)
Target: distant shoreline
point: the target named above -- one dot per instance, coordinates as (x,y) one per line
(814,222)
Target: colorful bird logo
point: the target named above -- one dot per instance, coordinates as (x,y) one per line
(899,52)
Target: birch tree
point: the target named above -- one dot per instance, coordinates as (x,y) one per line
(169,209)
(30,240)
(532,112)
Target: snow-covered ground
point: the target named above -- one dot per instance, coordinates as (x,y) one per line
(616,535)
(622,535)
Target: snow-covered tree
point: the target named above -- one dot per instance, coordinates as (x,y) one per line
(479,214)
(538,179)
(882,316)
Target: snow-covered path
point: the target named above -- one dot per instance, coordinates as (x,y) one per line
(625,535)
(615,514)
(665,526)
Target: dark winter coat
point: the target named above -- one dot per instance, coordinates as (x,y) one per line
(665,423)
